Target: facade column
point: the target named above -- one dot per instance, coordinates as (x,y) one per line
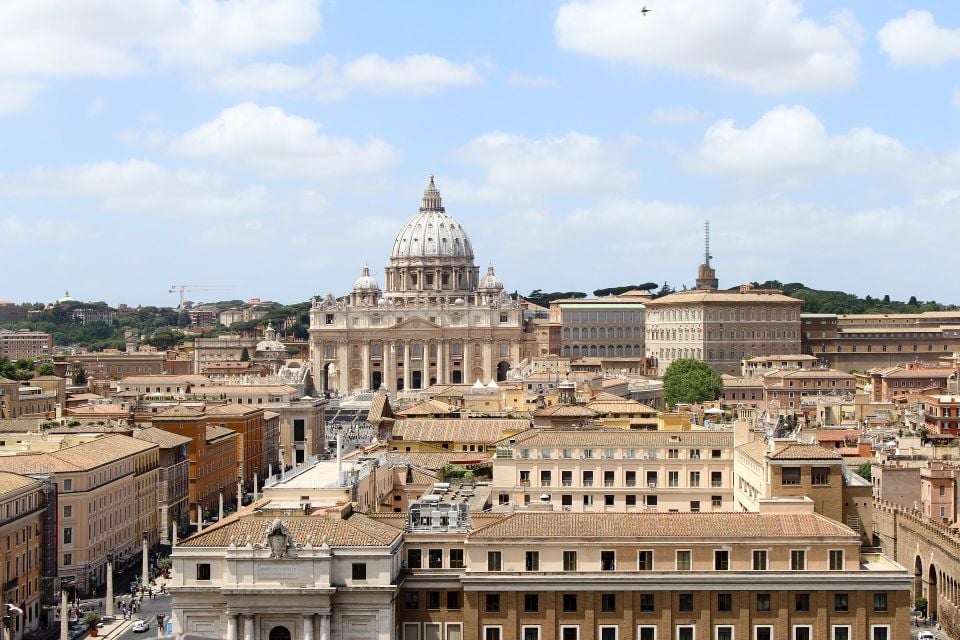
(144,562)
(325,626)
(343,365)
(231,626)
(109,602)
(441,361)
(406,365)
(365,365)
(248,626)
(64,617)
(487,360)
(308,626)
(515,355)
(164,524)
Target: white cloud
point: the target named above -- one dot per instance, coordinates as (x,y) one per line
(96,106)
(118,37)
(328,79)
(137,187)
(16,96)
(766,45)
(574,163)
(915,40)
(518,79)
(790,141)
(678,116)
(31,230)
(267,139)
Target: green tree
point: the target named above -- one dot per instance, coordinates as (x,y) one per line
(165,338)
(45,369)
(245,355)
(865,471)
(690,381)
(921,604)
(24,363)
(79,376)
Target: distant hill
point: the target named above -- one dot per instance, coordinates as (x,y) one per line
(820,301)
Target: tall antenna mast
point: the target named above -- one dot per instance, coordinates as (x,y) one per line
(706,235)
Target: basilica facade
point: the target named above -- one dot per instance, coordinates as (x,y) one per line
(436,321)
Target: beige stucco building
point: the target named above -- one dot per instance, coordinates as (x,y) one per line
(435,322)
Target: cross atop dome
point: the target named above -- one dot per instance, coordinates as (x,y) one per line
(431,198)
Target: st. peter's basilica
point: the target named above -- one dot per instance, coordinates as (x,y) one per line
(437,321)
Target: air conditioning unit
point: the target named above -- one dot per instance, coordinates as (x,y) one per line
(652,485)
(566,508)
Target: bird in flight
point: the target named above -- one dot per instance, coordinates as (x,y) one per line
(645,11)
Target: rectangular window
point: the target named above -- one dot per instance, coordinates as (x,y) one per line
(492,632)
(790,476)
(880,632)
(798,560)
(673,478)
(588,478)
(411,600)
(433,600)
(841,602)
(646,632)
(566,478)
(802,602)
(840,632)
(880,602)
(608,561)
(723,632)
(493,603)
(645,560)
(456,558)
(68,484)
(759,559)
(820,476)
(721,560)
(569,632)
(414,558)
(725,602)
(694,478)
(569,603)
(763,602)
(683,560)
(411,631)
(673,453)
(203,571)
(67,559)
(68,535)
(532,561)
(716,502)
(531,602)
(685,631)
(435,558)
(802,632)
(630,478)
(608,602)
(494,561)
(608,632)
(836,559)
(359,570)
(685,602)
(453,600)
(67,511)
(431,631)
(762,632)
(647,603)
(569,560)
(716,479)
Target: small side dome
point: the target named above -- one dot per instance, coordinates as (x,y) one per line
(490,281)
(366,282)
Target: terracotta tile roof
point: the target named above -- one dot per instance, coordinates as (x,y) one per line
(164,379)
(695,295)
(815,373)
(178,411)
(215,432)
(922,373)
(81,457)
(243,389)
(836,435)
(434,461)
(19,425)
(480,430)
(270,415)
(426,408)
(165,439)
(379,408)
(14,483)
(231,409)
(608,403)
(579,438)
(564,411)
(736,381)
(755,450)
(728,525)
(798,451)
(355,531)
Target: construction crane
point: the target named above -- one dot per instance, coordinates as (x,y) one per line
(183,288)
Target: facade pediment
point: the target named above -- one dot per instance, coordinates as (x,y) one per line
(415,323)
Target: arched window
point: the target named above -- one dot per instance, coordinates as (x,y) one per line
(576,333)
(603,333)
(603,351)
(593,350)
(566,351)
(376,350)
(566,333)
(576,351)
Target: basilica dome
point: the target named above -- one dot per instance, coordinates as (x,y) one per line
(491,281)
(432,233)
(366,282)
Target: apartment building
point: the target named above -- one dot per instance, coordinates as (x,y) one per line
(790,387)
(890,383)
(173,483)
(106,501)
(114,365)
(615,470)
(36,397)
(22,507)
(941,414)
(608,327)
(24,343)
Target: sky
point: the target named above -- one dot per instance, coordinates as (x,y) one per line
(271,148)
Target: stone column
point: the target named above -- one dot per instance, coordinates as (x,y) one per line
(325,626)
(248,626)
(308,626)
(343,365)
(145,561)
(406,365)
(64,617)
(239,495)
(173,534)
(365,365)
(231,626)
(220,512)
(487,360)
(109,603)
(164,524)
(256,483)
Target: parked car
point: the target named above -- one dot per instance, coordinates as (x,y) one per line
(139,626)
(926,635)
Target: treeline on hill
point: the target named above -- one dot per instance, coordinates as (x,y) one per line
(544,299)
(161,327)
(819,301)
